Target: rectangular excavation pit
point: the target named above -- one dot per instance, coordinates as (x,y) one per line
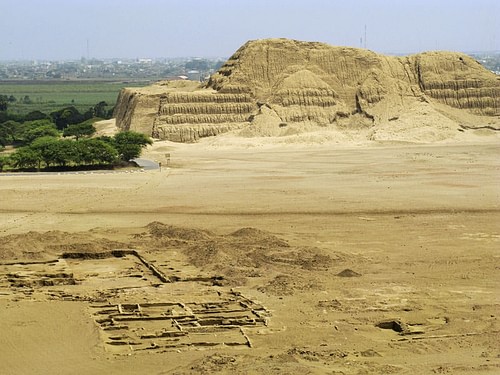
(151,328)
(139,305)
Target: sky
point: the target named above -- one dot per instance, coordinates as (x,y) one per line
(71,29)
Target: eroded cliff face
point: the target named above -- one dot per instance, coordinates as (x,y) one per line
(136,109)
(280,82)
(182,111)
(458,81)
(188,116)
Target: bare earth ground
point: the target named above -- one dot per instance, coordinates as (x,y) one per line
(261,259)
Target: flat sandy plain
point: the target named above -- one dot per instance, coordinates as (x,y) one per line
(265,259)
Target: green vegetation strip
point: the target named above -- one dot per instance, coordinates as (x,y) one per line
(49,96)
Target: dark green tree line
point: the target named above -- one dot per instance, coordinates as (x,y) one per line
(50,151)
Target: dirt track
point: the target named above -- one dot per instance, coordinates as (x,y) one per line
(417,225)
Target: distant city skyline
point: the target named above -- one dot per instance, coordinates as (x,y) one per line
(71,29)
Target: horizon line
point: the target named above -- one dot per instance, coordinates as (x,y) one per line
(72,59)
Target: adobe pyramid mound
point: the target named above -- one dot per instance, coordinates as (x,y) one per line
(275,84)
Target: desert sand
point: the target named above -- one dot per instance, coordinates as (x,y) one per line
(257,256)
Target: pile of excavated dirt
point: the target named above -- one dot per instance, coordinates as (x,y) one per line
(245,252)
(38,246)
(280,87)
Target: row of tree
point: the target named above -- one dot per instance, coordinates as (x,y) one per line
(62,117)
(21,134)
(5,100)
(49,151)
(39,145)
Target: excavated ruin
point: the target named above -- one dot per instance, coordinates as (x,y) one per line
(273,84)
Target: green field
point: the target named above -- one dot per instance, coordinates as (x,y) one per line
(50,96)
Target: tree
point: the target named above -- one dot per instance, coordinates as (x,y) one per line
(83,129)
(63,152)
(130,144)
(129,151)
(109,113)
(95,151)
(100,109)
(54,151)
(67,116)
(3,104)
(42,147)
(25,157)
(39,129)
(106,139)
(36,115)
(10,132)
(16,130)
(27,100)
(4,116)
(6,132)
(4,160)
(87,115)
(104,152)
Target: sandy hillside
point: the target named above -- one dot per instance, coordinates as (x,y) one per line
(246,255)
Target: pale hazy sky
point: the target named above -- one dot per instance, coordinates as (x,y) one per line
(60,29)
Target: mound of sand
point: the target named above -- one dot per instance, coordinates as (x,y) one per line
(235,255)
(280,87)
(47,245)
(160,230)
